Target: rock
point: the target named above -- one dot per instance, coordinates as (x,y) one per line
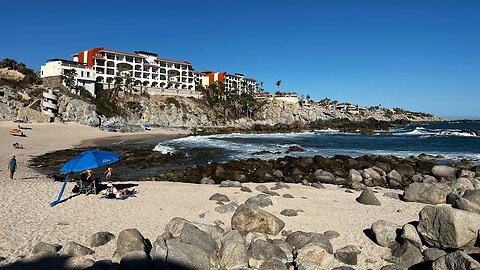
(227,208)
(229,183)
(194,236)
(187,256)
(407,255)
(431,254)
(219,198)
(233,236)
(466,174)
(305,183)
(348,255)
(462,184)
(393,267)
(354,176)
(253,219)
(445,172)
(457,260)
(318,185)
(331,234)
(404,169)
(410,234)
(300,239)
(262,188)
(372,174)
(207,181)
(385,233)
(135,260)
(294,148)
(314,255)
(175,227)
(159,252)
(129,240)
(445,227)
(285,247)
(288,196)
(74,249)
(272,265)
(42,250)
(259,201)
(245,189)
(368,197)
(343,268)
(427,193)
(394,176)
(233,254)
(100,239)
(470,201)
(324,176)
(278,174)
(282,185)
(289,212)
(261,251)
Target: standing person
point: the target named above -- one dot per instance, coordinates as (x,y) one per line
(108,173)
(12,165)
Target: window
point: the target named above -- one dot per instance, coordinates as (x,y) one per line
(81,74)
(88,74)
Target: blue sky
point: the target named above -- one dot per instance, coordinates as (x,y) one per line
(422,55)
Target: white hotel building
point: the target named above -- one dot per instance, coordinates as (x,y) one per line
(146,70)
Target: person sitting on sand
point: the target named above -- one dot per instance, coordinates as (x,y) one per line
(108,173)
(89,175)
(124,193)
(18,146)
(111,191)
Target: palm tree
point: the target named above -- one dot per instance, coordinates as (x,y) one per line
(118,84)
(68,77)
(109,81)
(279,82)
(128,82)
(145,83)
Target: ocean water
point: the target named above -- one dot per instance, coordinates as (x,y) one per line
(452,140)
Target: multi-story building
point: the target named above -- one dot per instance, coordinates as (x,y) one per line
(230,81)
(145,68)
(53,71)
(100,66)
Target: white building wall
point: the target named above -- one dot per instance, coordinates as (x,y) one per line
(85,76)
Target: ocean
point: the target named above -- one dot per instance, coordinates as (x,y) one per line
(454,141)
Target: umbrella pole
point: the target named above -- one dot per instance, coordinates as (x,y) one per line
(61,191)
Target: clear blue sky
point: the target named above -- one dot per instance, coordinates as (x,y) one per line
(423,55)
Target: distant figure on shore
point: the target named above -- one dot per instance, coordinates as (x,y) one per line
(89,175)
(18,146)
(111,191)
(108,173)
(12,165)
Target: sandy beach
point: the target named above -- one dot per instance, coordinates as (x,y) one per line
(27,217)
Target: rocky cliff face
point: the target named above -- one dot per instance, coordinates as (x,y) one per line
(189,113)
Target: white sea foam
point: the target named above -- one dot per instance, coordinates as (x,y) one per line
(163,149)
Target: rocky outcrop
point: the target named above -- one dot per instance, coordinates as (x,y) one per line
(75,110)
(252,219)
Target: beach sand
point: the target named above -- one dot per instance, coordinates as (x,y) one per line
(27,217)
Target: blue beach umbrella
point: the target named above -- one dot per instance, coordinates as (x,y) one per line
(90,159)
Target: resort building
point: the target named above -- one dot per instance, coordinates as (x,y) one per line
(145,68)
(97,68)
(230,81)
(52,72)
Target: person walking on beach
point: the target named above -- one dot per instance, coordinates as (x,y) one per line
(12,165)
(108,173)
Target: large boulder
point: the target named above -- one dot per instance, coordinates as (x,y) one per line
(194,236)
(233,254)
(410,234)
(385,233)
(404,169)
(300,239)
(427,193)
(176,225)
(272,265)
(261,251)
(74,249)
(324,176)
(368,197)
(252,219)
(313,256)
(457,260)
(347,255)
(470,201)
(134,260)
(445,227)
(129,240)
(100,239)
(445,172)
(260,200)
(185,255)
(407,255)
(42,250)
(159,252)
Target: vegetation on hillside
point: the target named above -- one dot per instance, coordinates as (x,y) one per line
(230,104)
(30,78)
